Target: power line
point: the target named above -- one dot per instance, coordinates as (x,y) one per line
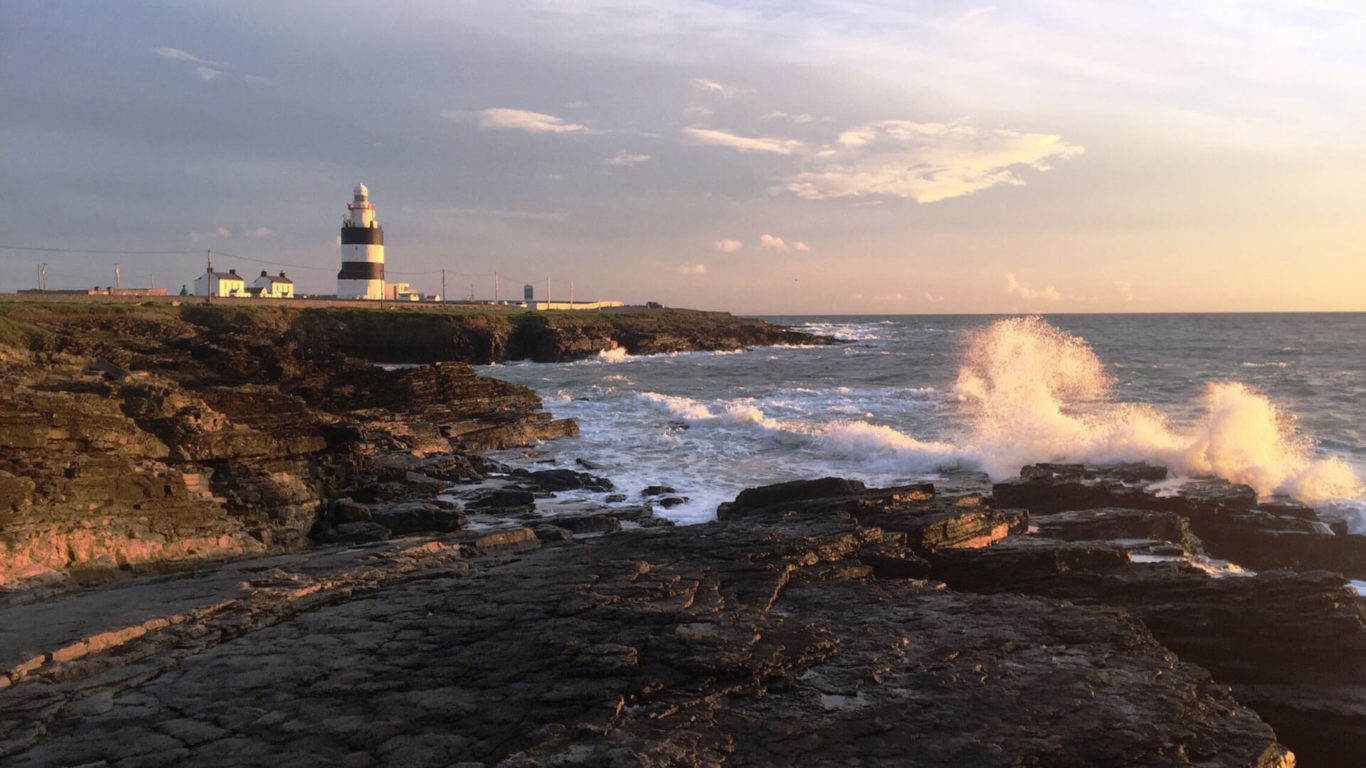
(87,250)
(271,263)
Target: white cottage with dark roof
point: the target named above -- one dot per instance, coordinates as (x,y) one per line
(274,286)
(212,283)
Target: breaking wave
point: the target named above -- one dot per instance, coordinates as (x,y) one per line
(1036,393)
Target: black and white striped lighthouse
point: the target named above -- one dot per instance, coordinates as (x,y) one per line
(362,251)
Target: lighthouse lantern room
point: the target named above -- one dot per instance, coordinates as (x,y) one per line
(362,251)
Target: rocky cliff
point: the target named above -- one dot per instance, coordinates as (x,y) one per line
(140,434)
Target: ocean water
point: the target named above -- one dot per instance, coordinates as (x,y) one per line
(1277,401)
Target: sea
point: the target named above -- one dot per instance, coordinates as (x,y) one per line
(1277,401)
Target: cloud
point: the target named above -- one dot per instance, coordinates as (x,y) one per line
(696,113)
(800,246)
(1014,288)
(717,138)
(720,89)
(220,233)
(727,246)
(1126,289)
(499,118)
(772,243)
(926,162)
(692,269)
(624,158)
(779,115)
(260,233)
(175,54)
(207,70)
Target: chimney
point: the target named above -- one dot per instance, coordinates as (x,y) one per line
(232,271)
(263,273)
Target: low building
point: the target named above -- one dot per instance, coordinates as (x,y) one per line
(220,284)
(274,286)
(400,292)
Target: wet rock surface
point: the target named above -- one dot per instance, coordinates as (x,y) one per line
(763,639)
(1227,517)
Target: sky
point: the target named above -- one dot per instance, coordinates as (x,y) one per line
(766,157)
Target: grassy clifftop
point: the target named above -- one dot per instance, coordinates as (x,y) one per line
(397,334)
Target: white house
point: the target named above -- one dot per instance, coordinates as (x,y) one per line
(274,286)
(220,284)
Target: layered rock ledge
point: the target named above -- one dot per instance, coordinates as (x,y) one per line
(133,435)
(801,628)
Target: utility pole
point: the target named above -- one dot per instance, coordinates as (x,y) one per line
(42,276)
(117,283)
(547,293)
(443,285)
(151,280)
(208,279)
(495,287)
(571,294)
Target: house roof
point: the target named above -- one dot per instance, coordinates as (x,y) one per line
(227,276)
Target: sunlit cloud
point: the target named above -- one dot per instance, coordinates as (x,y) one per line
(779,115)
(692,269)
(926,162)
(500,118)
(718,138)
(1014,288)
(624,158)
(720,89)
(775,243)
(727,246)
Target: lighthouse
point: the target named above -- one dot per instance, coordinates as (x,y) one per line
(362,250)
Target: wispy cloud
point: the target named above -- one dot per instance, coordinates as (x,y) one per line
(798,119)
(1126,289)
(1014,288)
(727,245)
(220,233)
(718,138)
(501,118)
(692,269)
(720,89)
(207,70)
(926,162)
(623,158)
(260,233)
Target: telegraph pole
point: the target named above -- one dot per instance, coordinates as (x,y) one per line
(117,283)
(571,294)
(547,293)
(495,287)
(42,276)
(443,285)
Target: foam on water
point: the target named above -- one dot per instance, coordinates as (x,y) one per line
(917,398)
(1037,393)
